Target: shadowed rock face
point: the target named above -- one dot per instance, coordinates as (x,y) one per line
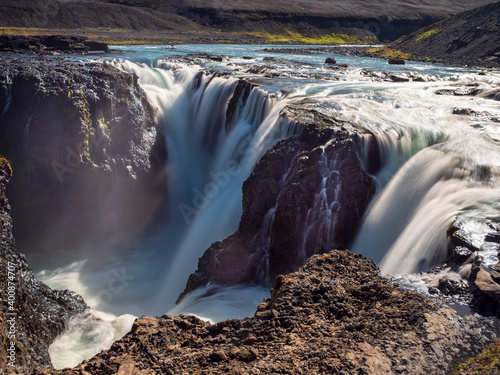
(38,313)
(335,314)
(89,158)
(306,195)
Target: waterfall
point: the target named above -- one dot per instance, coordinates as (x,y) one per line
(208,159)
(405,229)
(428,163)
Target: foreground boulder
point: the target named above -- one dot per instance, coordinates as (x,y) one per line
(335,315)
(31,314)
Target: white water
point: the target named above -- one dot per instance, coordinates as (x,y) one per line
(420,190)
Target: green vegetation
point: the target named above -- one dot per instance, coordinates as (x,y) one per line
(427,34)
(129,42)
(292,36)
(486,362)
(21,30)
(389,53)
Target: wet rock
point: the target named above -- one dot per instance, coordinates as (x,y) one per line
(330,60)
(396,61)
(31,314)
(453,286)
(334,315)
(84,142)
(319,170)
(461,254)
(460,90)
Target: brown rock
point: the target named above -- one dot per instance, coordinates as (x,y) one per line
(335,314)
(487,286)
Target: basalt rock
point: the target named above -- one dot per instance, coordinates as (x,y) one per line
(31,314)
(88,155)
(335,315)
(306,195)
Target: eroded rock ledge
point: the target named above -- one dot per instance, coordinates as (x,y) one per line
(335,315)
(84,142)
(306,195)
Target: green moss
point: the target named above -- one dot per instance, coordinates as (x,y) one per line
(292,36)
(486,362)
(427,34)
(389,53)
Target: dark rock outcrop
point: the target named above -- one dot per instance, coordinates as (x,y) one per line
(49,44)
(396,62)
(306,195)
(89,157)
(31,314)
(335,315)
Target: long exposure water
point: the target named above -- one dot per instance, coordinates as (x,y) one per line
(434,168)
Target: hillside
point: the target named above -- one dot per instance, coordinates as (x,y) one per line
(236,21)
(469,38)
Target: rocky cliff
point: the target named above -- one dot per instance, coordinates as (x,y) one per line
(306,195)
(335,315)
(89,157)
(31,314)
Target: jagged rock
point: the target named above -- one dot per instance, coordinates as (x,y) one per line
(31,314)
(84,142)
(461,254)
(461,90)
(336,314)
(453,286)
(319,171)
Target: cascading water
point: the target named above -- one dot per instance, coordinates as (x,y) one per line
(208,160)
(405,230)
(421,189)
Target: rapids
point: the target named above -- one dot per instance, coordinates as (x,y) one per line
(435,164)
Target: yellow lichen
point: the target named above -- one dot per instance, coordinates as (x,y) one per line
(427,34)
(5,165)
